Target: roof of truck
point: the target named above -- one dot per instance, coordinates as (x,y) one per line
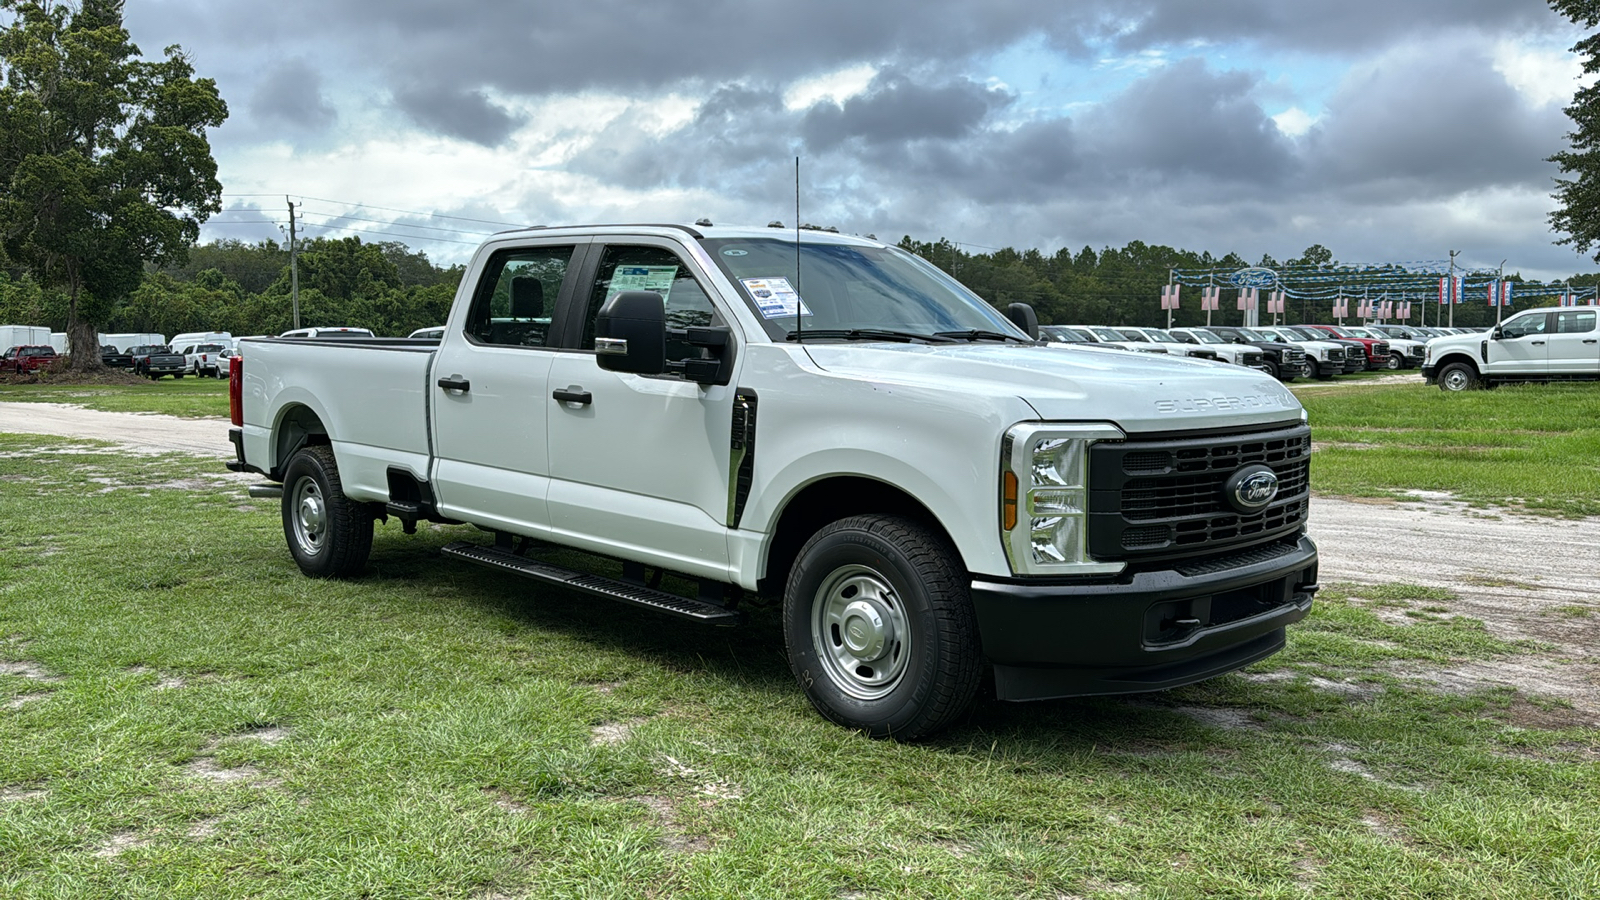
(810,234)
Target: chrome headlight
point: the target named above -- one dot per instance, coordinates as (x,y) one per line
(1044,498)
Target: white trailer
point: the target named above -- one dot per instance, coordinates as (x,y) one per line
(23,336)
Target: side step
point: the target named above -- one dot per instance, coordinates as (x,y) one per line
(595,585)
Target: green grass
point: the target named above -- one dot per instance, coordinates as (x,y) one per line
(187,397)
(182,714)
(1535,448)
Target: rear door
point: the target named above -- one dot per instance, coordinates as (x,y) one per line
(639,464)
(1575,343)
(489,399)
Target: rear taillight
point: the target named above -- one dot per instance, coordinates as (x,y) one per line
(236,390)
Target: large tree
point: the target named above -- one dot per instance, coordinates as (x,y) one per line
(104,161)
(1577,216)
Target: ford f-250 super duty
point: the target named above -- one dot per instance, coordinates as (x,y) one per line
(933,494)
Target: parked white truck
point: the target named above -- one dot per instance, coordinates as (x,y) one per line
(933,494)
(1560,344)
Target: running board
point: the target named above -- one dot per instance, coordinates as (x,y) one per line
(595,585)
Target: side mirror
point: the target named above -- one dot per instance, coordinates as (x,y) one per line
(630,334)
(1023,316)
(1496,334)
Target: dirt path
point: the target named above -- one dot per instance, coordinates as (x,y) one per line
(1523,577)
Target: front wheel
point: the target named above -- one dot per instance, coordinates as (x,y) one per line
(329,535)
(1271,367)
(879,627)
(1395,361)
(1458,377)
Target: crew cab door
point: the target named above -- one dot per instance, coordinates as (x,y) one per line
(1575,343)
(1521,347)
(488,394)
(639,463)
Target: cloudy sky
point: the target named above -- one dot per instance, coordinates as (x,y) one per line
(1385,130)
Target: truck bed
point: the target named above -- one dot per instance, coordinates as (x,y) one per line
(370,393)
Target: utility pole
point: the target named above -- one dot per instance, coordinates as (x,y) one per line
(294,265)
(1500,292)
(1169,292)
(1450,295)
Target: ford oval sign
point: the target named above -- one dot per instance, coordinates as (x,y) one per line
(1250,489)
(1253,277)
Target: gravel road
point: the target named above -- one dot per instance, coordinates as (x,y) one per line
(1525,577)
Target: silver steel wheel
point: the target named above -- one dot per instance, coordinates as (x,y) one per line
(310,516)
(860,632)
(1309,368)
(1456,378)
(1393,362)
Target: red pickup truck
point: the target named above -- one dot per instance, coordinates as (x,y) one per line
(1377,350)
(25,359)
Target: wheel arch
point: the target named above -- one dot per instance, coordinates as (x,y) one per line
(1458,356)
(830,499)
(297,425)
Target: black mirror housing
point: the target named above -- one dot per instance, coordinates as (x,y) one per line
(630,333)
(1023,316)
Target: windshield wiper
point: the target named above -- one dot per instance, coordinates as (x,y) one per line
(975,334)
(866,334)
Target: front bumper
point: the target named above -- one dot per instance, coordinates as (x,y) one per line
(1154,630)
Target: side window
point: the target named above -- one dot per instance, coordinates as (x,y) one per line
(1575,322)
(624,268)
(1524,326)
(516,295)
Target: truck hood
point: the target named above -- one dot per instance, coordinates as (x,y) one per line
(1140,392)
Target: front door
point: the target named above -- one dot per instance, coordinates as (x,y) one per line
(489,397)
(639,464)
(1522,348)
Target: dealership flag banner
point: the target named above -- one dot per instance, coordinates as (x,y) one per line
(1247,298)
(1405,310)
(1444,290)
(1341,308)
(1275,302)
(1169,297)
(1457,289)
(1210,297)
(1505,293)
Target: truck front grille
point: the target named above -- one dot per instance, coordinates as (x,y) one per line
(1164,498)
(1250,359)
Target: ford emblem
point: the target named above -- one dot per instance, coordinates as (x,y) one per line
(1250,489)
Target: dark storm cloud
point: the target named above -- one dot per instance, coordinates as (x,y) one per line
(291,94)
(1188,119)
(894,108)
(1433,125)
(466,114)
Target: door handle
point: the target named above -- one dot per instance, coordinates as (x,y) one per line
(567,395)
(1538,343)
(1589,340)
(455,383)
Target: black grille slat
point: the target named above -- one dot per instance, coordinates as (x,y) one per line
(1138,511)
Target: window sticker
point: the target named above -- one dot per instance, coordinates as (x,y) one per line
(774,297)
(642,278)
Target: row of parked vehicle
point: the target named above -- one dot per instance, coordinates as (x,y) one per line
(1286,352)
(201,354)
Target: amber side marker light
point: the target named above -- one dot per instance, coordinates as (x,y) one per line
(1008,502)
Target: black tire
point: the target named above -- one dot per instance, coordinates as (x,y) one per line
(879,627)
(178,375)
(329,535)
(1457,377)
(1325,371)
(1271,367)
(1308,368)
(1395,362)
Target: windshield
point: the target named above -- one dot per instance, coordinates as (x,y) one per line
(1272,336)
(848,287)
(1131,335)
(1106,334)
(1306,334)
(1250,334)
(1205,337)
(1353,331)
(1157,334)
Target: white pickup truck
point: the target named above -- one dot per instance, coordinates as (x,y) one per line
(933,494)
(1561,344)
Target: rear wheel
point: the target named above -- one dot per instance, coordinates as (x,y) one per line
(1458,377)
(879,627)
(329,535)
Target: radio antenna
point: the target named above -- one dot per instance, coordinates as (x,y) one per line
(798,303)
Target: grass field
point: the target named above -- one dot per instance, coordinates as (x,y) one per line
(187,397)
(1531,447)
(183,715)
